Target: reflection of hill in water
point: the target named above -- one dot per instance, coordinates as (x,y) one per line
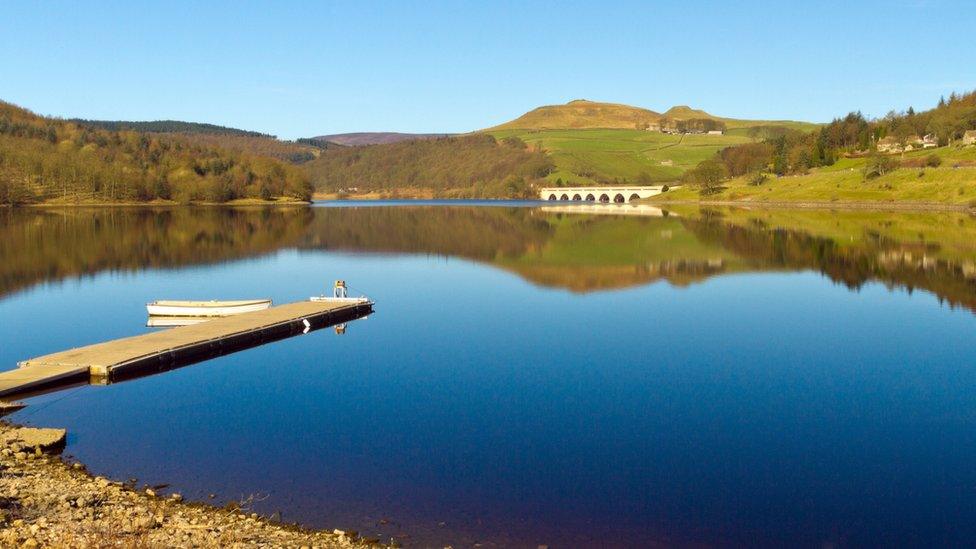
(589,253)
(931,251)
(39,245)
(936,252)
(578,252)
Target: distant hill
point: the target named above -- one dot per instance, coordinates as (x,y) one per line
(684,112)
(585,114)
(167,126)
(375,138)
(581,114)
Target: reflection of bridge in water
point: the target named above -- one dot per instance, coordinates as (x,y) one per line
(600,194)
(643,210)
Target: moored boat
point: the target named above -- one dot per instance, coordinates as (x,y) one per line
(175,308)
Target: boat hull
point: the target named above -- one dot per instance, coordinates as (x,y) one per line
(205,308)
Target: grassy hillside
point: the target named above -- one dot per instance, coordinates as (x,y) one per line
(44,159)
(952,182)
(580,114)
(600,143)
(851,159)
(584,114)
(465,166)
(625,156)
(736,125)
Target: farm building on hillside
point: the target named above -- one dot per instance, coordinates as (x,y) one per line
(892,144)
(889,145)
(969,138)
(716,132)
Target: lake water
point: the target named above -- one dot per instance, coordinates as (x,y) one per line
(533,375)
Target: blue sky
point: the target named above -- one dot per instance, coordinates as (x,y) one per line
(307,68)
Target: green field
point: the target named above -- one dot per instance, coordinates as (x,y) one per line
(954,182)
(594,156)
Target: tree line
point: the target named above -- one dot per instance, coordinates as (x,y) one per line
(43,159)
(467,166)
(166,126)
(691,125)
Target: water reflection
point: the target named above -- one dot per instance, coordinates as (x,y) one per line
(763,407)
(550,246)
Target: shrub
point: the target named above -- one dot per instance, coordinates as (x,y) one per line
(933,161)
(879,165)
(707,176)
(758,179)
(665,189)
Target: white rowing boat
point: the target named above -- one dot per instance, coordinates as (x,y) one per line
(171,308)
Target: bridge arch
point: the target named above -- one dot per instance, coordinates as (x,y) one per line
(604,197)
(635,196)
(552,197)
(564,197)
(619,198)
(590,197)
(577,197)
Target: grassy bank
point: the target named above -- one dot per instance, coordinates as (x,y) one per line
(600,156)
(952,183)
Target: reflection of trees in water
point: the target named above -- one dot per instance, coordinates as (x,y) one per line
(38,245)
(577,252)
(895,263)
(475,233)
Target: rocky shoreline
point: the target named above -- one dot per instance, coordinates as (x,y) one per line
(46,501)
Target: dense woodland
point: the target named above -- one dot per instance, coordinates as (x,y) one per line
(784,152)
(231,139)
(463,166)
(166,126)
(44,159)
(293,152)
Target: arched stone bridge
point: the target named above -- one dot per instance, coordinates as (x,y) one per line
(599,194)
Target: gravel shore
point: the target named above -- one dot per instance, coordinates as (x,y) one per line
(47,502)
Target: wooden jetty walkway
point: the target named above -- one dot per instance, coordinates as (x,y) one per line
(163,350)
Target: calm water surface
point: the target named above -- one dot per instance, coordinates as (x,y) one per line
(533,376)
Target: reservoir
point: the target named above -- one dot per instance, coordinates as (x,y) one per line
(532,375)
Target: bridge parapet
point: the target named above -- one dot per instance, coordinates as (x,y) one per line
(599,194)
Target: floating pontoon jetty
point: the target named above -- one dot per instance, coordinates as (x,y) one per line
(163,350)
